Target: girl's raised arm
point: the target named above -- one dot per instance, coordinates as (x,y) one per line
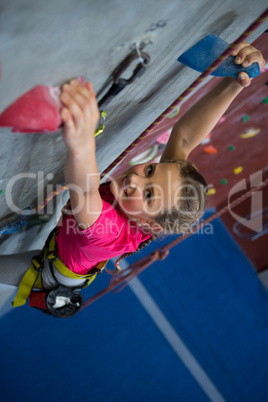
(197,122)
(80,116)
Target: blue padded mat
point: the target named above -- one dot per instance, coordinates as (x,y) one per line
(113,351)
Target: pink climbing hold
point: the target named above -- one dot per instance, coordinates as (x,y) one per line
(36,111)
(222,120)
(163,138)
(265,68)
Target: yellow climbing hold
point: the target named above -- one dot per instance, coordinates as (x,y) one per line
(250,133)
(238,170)
(211,191)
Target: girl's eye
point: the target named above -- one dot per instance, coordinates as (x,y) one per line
(148,195)
(150,170)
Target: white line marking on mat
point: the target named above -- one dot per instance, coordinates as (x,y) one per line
(173,339)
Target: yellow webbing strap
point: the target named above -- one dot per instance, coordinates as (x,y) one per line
(31,277)
(61,267)
(28,281)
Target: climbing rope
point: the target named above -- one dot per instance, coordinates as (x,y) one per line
(49,198)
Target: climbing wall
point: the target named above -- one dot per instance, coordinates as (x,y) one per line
(51,42)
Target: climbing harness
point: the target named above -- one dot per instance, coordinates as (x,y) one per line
(32,279)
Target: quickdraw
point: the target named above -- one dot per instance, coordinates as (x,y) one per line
(117,84)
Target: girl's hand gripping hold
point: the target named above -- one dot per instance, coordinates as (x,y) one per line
(245,54)
(194,126)
(80,116)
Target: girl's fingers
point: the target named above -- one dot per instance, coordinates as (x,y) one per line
(90,88)
(73,108)
(244,79)
(77,94)
(84,111)
(85,91)
(246,54)
(252,57)
(80,94)
(242,54)
(86,97)
(239,47)
(65,115)
(68,122)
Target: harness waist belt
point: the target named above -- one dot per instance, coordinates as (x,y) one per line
(32,277)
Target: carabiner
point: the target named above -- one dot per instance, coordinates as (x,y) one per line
(138,70)
(101,127)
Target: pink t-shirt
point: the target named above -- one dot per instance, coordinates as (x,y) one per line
(110,236)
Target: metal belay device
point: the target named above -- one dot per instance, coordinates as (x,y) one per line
(60,302)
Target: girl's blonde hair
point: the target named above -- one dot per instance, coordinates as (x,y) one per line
(190,208)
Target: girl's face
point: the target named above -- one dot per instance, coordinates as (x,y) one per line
(146,190)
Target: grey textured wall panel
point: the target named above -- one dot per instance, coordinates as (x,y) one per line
(53,41)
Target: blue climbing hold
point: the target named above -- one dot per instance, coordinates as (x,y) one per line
(200,56)
(16,225)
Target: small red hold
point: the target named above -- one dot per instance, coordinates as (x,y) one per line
(36,111)
(210,150)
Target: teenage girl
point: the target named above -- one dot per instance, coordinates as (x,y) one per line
(125,214)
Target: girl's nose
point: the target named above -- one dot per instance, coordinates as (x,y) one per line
(132,181)
(135,181)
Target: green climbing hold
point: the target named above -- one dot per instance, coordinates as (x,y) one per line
(245,118)
(1,192)
(223,181)
(265,100)
(174,112)
(231,147)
